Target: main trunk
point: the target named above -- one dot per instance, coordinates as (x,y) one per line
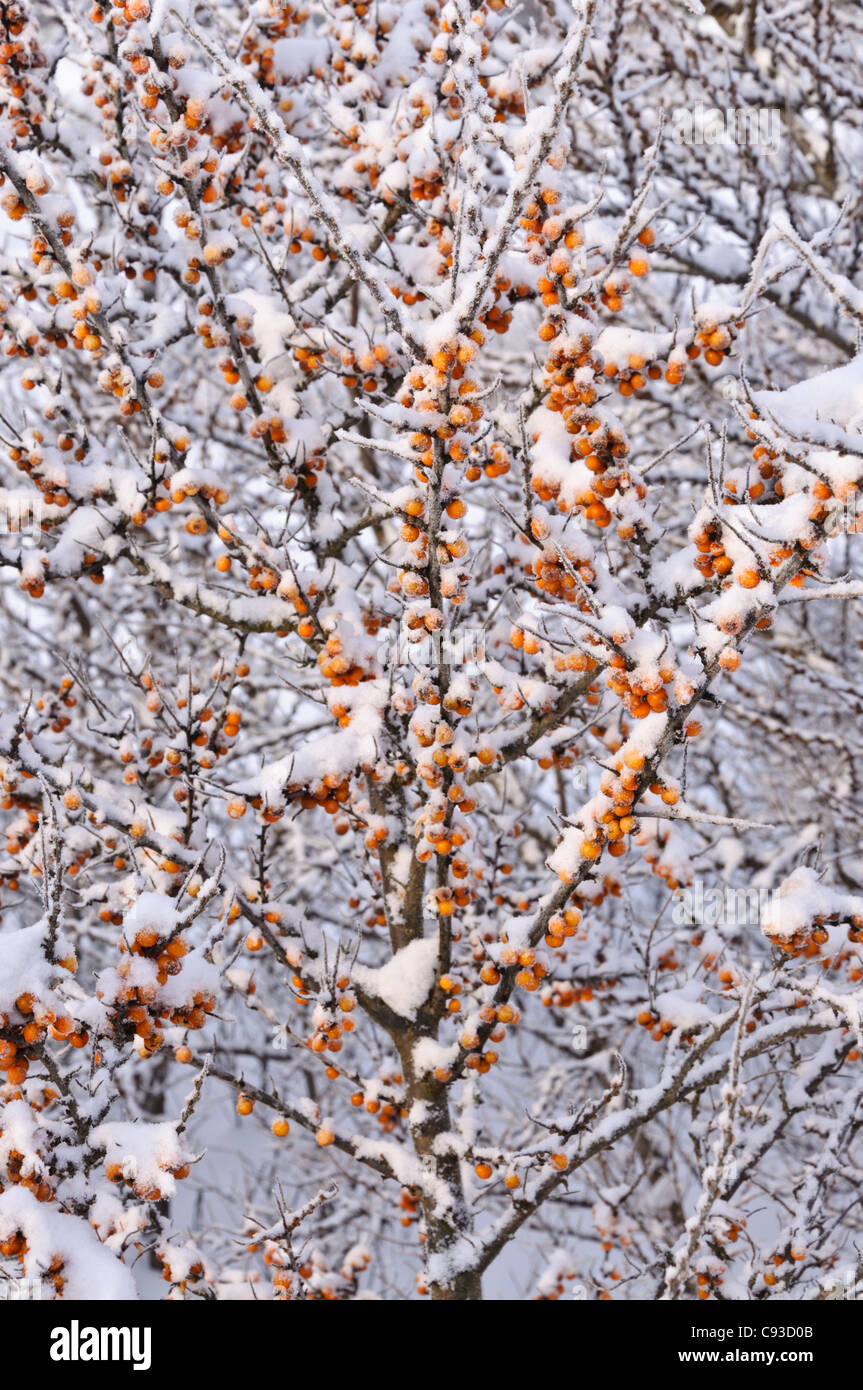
(444,1231)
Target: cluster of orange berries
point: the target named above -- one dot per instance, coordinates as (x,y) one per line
(212,335)
(617,285)
(309,359)
(532,970)
(716,341)
(53,492)
(424,391)
(541,224)
(434,837)
(601,448)
(635,374)
(809,940)
(195,1272)
(23,1033)
(314,1280)
(54,1274)
(365,370)
(289,590)
(618,820)
(849,958)
(769,484)
(261,578)
(21,830)
(556,572)
(386,1113)
(709,1281)
(331,793)
(452,985)
(711,558)
(793,1253)
(659,1027)
(28,460)
(338,668)
(501,1016)
(138,1011)
(53,707)
(451,900)
(23,1171)
(418,620)
(20,62)
(568,392)
(329,1027)
(34,584)
(15,1246)
(180,491)
(563,758)
(562,926)
(209,732)
(654,842)
(641,697)
(563,993)
(612,1227)
(144,1189)
(727,1229)
(555,1292)
(410,1207)
(560,272)
(498,316)
(425,189)
(13,207)
(497,465)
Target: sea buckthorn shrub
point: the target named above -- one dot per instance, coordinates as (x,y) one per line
(429,454)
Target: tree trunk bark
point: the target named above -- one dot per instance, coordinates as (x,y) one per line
(444,1231)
